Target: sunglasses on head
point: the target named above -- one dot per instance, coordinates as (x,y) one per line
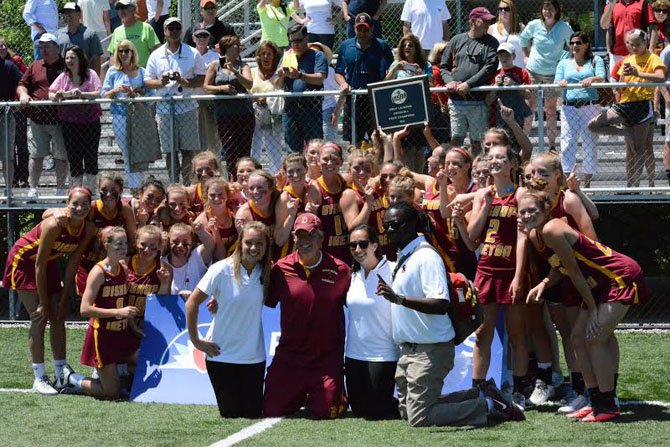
(364,244)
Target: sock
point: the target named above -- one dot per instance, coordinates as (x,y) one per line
(544,372)
(122,369)
(476,382)
(75,380)
(607,401)
(594,397)
(39,370)
(489,404)
(577,381)
(58,366)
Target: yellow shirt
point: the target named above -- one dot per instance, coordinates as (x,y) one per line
(645,63)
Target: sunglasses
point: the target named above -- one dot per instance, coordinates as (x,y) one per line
(577,42)
(504,9)
(125,50)
(363,244)
(174,28)
(393,225)
(201,36)
(661,11)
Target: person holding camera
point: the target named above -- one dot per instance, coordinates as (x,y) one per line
(176,69)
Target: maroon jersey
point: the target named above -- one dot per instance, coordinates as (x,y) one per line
(141,285)
(446,238)
(113,294)
(376,220)
(19,271)
(332,222)
(498,249)
(312,310)
(611,275)
(558,210)
(197,201)
(286,249)
(228,234)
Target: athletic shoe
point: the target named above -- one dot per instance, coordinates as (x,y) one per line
(503,408)
(519,400)
(557,378)
(43,386)
(541,393)
(576,403)
(568,397)
(71,391)
(67,372)
(582,412)
(49,164)
(32,193)
(603,416)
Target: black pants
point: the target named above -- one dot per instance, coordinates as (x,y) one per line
(364,121)
(370,388)
(238,388)
(81,144)
(21,142)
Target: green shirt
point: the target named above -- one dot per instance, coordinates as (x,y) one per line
(141,34)
(274,24)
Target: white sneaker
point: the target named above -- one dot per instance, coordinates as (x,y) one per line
(520,400)
(577,403)
(32,193)
(43,386)
(541,393)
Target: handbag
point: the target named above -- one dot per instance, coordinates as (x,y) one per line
(605,94)
(141,136)
(276,104)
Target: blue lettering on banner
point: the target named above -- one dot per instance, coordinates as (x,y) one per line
(170,370)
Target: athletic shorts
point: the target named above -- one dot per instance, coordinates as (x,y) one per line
(633,290)
(21,275)
(537,78)
(494,288)
(103,347)
(634,113)
(288,385)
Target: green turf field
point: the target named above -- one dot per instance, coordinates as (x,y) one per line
(30,420)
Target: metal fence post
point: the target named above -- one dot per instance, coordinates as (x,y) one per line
(540,119)
(9,168)
(353,118)
(9,165)
(173,145)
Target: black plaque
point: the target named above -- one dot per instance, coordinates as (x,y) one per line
(400,102)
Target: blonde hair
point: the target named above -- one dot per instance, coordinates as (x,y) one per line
(180,226)
(117,179)
(134,57)
(355,153)
(215,181)
(211,158)
(149,230)
(176,188)
(295,157)
(107,234)
(540,197)
(266,261)
(404,181)
(553,161)
(435,55)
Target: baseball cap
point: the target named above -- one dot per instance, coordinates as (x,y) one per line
(201,29)
(70,6)
(204,3)
(308,222)
(170,21)
(506,47)
(125,3)
(48,37)
(481,13)
(363,19)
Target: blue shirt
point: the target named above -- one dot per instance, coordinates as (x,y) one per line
(310,62)
(566,70)
(547,47)
(10,75)
(115,78)
(356,7)
(361,67)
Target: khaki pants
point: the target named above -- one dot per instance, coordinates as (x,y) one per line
(419,378)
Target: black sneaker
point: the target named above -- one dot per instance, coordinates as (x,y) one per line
(503,408)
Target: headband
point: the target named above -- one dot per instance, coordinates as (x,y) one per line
(467,156)
(82,189)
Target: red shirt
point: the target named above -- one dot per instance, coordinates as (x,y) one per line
(312,310)
(628,16)
(37,80)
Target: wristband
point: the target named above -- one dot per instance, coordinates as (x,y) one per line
(401,300)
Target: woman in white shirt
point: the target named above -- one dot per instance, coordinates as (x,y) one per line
(234,343)
(507,29)
(371,355)
(320,21)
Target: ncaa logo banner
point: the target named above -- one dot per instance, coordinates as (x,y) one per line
(170,370)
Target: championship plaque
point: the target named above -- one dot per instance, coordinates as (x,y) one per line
(400,102)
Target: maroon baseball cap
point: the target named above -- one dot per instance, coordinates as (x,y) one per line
(308,222)
(481,13)
(363,19)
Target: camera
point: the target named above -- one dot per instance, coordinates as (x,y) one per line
(173,75)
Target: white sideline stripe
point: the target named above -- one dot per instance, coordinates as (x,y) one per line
(16,390)
(247,432)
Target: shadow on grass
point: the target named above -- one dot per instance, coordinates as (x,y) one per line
(644,413)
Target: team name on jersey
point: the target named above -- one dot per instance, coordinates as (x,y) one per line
(62,247)
(431,205)
(337,241)
(119,325)
(142,289)
(329,210)
(496,250)
(502,211)
(114,290)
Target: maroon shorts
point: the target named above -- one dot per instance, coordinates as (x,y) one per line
(632,290)
(103,347)
(21,276)
(494,288)
(287,388)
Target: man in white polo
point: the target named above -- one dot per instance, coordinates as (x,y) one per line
(176,69)
(423,330)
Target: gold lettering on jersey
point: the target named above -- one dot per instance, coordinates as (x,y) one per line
(329,210)
(62,247)
(502,211)
(116,325)
(142,289)
(115,290)
(503,251)
(431,205)
(337,241)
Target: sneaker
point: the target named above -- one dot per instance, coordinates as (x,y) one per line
(582,412)
(507,411)
(557,379)
(519,400)
(49,164)
(67,372)
(568,397)
(541,393)
(603,416)
(70,390)
(43,386)
(577,403)
(32,193)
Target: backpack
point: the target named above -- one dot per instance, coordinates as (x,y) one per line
(465,312)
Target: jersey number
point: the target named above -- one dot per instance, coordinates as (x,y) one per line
(493,230)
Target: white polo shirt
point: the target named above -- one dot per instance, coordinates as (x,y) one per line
(426,17)
(369,330)
(421,275)
(237,327)
(188,62)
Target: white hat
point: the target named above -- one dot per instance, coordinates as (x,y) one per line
(506,47)
(48,37)
(125,3)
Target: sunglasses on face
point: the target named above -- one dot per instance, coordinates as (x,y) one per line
(504,8)
(363,244)
(201,36)
(174,28)
(577,42)
(125,51)
(393,225)
(296,40)
(661,11)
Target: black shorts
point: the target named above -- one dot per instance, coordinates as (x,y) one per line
(634,113)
